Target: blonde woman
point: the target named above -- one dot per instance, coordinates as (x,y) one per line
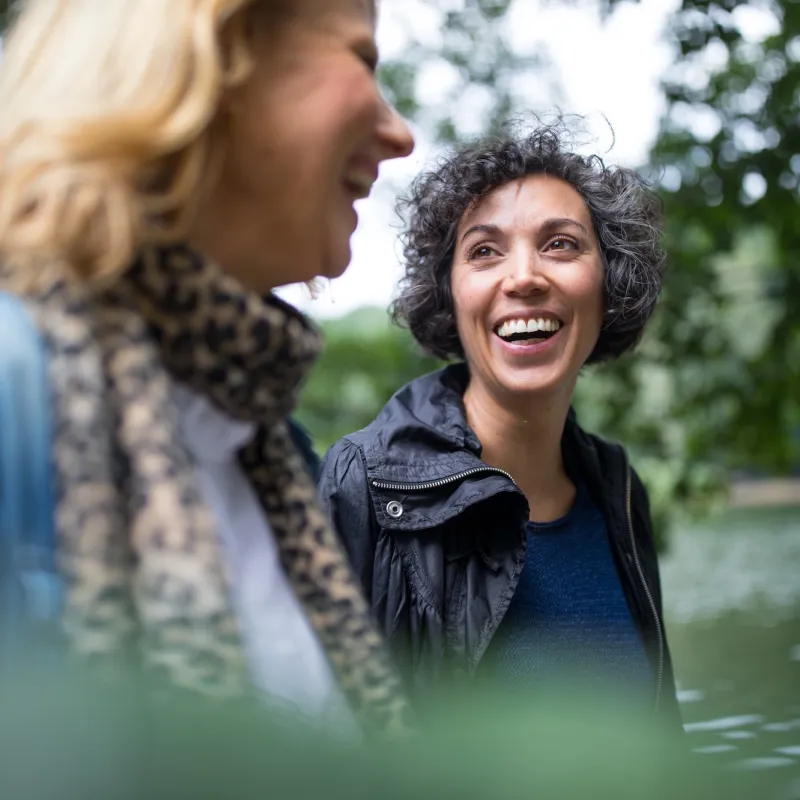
(164,166)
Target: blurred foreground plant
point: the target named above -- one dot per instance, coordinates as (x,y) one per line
(70,738)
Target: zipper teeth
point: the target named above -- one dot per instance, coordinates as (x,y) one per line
(410,487)
(660,678)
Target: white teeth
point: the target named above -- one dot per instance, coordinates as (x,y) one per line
(512,326)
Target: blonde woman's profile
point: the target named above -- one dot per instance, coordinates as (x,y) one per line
(163,167)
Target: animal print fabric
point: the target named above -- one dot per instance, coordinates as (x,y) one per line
(137,544)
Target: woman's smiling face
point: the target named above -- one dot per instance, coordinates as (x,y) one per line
(528,287)
(304,139)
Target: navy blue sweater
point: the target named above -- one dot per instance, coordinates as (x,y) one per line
(569,616)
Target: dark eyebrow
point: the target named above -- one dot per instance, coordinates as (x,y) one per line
(492,230)
(558,222)
(547,226)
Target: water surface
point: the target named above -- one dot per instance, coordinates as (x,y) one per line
(732,601)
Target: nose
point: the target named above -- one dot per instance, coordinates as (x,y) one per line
(394,134)
(524,275)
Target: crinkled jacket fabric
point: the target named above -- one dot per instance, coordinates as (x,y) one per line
(438,538)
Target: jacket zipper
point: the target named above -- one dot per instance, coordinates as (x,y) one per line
(419,487)
(659,630)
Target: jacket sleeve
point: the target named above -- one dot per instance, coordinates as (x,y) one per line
(344,494)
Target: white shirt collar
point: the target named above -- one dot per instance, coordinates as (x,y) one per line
(210,435)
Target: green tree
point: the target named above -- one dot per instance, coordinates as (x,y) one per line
(364,362)
(730,151)
(486,71)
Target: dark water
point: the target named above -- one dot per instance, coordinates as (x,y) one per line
(732,597)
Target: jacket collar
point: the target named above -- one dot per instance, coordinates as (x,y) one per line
(422,433)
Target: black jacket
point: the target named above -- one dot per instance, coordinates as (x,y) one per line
(438,537)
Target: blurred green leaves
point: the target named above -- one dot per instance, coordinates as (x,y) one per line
(70,737)
(726,338)
(364,362)
(730,150)
(470,54)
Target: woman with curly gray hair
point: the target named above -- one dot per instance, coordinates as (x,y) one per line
(492,534)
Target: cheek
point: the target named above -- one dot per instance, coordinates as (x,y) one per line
(590,300)
(332,110)
(470,300)
(588,291)
(334,114)
(355,103)
(463,299)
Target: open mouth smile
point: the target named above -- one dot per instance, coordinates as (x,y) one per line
(528,332)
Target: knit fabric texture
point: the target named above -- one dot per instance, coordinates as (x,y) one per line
(568,619)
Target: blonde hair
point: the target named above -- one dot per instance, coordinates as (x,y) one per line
(106,125)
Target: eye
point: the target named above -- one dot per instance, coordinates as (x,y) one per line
(562,243)
(369,57)
(481,251)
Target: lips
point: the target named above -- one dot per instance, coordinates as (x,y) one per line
(359,177)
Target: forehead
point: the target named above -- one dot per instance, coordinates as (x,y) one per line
(526,201)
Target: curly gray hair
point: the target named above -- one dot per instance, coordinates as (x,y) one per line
(625,212)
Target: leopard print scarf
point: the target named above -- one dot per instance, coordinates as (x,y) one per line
(137,543)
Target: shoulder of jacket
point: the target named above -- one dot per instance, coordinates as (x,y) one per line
(340,458)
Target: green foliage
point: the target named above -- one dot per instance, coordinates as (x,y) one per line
(730,322)
(482,66)
(365,361)
(486,72)
(68,737)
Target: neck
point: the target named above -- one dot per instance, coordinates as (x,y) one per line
(231,258)
(523,437)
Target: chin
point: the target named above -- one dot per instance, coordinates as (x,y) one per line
(532,385)
(335,271)
(337,262)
